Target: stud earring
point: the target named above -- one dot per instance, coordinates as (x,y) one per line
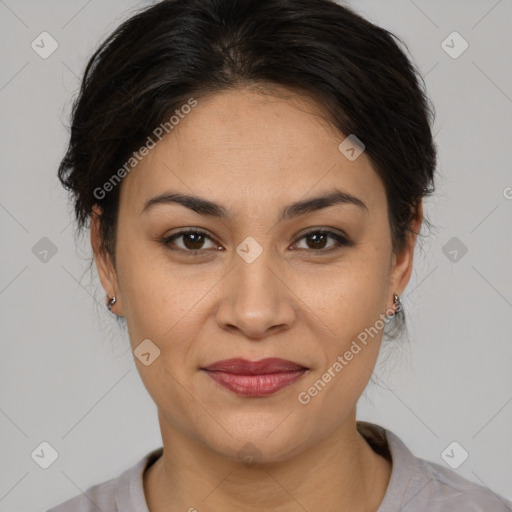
(397,303)
(111,302)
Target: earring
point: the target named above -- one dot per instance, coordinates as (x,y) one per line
(397,303)
(111,302)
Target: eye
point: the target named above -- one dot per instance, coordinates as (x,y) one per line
(193,240)
(317,239)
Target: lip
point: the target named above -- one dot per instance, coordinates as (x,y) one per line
(241,366)
(255,378)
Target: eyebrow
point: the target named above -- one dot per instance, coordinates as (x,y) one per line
(205,207)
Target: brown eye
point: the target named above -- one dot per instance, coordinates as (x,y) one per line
(192,240)
(317,240)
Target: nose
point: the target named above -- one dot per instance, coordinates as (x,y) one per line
(255,298)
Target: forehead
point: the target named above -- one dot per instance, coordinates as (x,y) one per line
(241,146)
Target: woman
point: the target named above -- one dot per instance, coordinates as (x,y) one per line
(253,172)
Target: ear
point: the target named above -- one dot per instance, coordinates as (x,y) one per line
(401,268)
(106,269)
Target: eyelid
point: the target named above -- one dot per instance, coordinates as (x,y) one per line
(341,239)
(323,229)
(167,240)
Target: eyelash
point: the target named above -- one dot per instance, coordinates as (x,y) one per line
(341,241)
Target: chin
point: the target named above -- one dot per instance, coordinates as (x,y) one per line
(258,441)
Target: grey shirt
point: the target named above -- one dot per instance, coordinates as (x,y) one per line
(416,485)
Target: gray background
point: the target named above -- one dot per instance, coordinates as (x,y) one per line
(67,376)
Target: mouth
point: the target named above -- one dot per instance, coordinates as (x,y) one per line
(255,378)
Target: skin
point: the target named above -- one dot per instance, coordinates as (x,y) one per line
(253,154)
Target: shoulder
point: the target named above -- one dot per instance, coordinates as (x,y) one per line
(100,496)
(419,485)
(123,493)
(451,492)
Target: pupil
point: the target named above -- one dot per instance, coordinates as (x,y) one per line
(316,237)
(192,236)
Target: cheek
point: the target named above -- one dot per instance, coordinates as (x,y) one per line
(351,301)
(354,313)
(165,303)
(161,305)
(157,294)
(351,295)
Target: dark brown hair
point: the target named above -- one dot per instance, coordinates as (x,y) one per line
(159,58)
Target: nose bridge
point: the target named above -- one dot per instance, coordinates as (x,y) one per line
(254,281)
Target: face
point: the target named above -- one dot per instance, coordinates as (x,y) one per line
(263,280)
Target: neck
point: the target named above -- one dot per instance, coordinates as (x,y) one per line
(340,473)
